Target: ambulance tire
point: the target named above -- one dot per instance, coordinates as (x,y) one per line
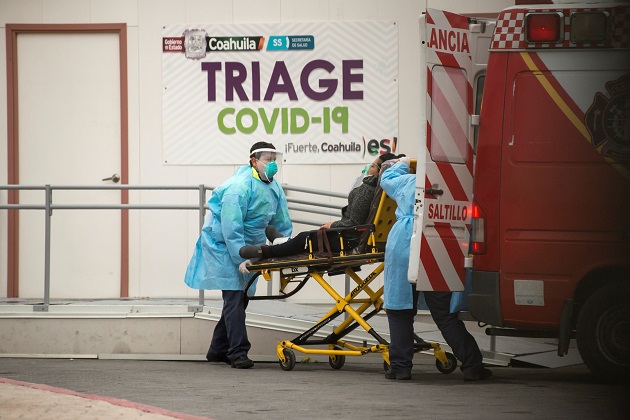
(603,332)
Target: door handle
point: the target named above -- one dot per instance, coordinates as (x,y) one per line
(433,191)
(115,178)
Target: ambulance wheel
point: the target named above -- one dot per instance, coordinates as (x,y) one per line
(449,367)
(290,362)
(603,332)
(336,361)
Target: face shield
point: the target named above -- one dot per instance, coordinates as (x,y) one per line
(359,179)
(268,164)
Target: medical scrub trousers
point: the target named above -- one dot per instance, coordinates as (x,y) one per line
(454,331)
(461,342)
(299,244)
(230,335)
(401,340)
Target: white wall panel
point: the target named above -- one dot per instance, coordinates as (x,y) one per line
(256,11)
(204,11)
(21,11)
(110,11)
(359,10)
(305,10)
(66,11)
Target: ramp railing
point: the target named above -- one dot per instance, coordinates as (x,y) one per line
(310,207)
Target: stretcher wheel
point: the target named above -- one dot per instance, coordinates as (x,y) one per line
(336,361)
(449,367)
(290,362)
(386,367)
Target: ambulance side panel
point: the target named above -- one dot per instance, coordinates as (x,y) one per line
(553,181)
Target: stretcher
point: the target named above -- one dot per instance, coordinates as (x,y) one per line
(361,304)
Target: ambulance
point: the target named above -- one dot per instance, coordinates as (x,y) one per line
(526,165)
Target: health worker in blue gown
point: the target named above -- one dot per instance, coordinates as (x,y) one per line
(401,297)
(240,210)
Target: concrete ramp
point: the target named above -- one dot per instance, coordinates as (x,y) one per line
(178,329)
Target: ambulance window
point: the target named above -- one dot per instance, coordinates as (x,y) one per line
(449,115)
(478,95)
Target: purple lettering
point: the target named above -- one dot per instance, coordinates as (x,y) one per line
(280,72)
(349,78)
(255,81)
(330,85)
(211,68)
(235,75)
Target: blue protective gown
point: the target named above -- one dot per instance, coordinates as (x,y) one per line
(400,185)
(240,210)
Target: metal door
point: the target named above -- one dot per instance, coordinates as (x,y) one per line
(444,194)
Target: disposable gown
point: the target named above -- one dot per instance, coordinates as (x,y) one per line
(400,185)
(240,210)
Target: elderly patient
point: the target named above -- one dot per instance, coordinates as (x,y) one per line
(354,214)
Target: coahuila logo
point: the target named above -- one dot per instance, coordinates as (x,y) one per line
(235,43)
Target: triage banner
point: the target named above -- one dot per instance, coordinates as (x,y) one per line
(322,92)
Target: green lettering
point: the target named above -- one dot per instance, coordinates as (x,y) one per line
(247,112)
(295,113)
(340,116)
(269,123)
(225,129)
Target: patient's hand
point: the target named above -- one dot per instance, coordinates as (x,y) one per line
(326,225)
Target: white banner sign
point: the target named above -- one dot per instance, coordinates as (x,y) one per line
(324,92)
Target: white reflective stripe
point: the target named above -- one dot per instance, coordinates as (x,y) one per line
(463,175)
(449,116)
(446,264)
(440,20)
(423,283)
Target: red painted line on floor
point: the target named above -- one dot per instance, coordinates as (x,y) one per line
(111,400)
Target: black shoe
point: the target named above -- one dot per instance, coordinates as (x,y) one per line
(478,375)
(250,251)
(399,376)
(217,358)
(242,362)
(272,234)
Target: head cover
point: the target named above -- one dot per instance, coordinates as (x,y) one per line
(263,149)
(262,146)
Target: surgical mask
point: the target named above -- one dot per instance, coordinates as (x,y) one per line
(271,168)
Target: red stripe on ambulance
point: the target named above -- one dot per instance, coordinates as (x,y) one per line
(431,266)
(453,249)
(568,100)
(453,182)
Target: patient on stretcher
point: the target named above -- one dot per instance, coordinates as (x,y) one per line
(354,214)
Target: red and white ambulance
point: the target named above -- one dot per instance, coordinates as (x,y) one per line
(534,105)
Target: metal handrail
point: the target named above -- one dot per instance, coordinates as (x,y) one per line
(48,206)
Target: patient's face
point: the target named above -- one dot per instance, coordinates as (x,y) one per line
(375,168)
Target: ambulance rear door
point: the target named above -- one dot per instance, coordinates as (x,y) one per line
(440,239)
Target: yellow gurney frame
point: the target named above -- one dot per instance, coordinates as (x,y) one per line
(315,265)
